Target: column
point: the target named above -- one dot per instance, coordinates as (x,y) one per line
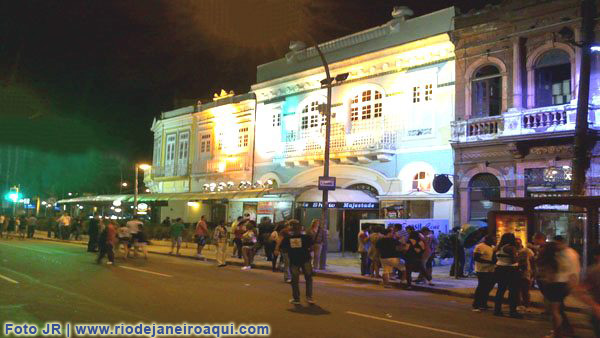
(517,74)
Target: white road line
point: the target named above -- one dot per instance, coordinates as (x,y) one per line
(412,325)
(146,271)
(9,279)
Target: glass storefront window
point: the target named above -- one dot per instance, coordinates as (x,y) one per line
(569,225)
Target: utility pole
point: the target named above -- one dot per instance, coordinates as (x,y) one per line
(581,160)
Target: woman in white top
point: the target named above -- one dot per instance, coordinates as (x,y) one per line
(507,275)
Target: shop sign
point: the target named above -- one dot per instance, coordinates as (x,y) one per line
(326,183)
(341,205)
(265,208)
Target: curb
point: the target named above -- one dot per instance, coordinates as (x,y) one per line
(333,275)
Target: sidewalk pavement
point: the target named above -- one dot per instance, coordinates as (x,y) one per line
(344,266)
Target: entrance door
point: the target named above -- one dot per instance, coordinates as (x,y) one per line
(351,227)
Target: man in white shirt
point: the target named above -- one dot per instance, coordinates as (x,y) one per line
(484,269)
(64,226)
(134,228)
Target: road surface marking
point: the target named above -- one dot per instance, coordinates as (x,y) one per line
(146,271)
(9,279)
(411,324)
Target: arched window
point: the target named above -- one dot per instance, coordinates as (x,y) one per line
(482,188)
(553,79)
(486,97)
(311,116)
(422,181)
(367,105)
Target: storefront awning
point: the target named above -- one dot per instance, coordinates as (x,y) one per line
(198,196)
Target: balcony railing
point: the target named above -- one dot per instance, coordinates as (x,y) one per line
(367,137)
(172,170)
(520,122)
(220,165)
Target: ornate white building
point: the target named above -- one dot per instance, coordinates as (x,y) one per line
(391,119)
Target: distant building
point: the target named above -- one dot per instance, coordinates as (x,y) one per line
(517,78)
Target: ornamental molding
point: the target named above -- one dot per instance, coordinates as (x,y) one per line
(552,150)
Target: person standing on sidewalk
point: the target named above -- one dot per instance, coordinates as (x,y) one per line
(283,253)
(93,227)
(507,275)
(220,240)
(318,235)
(107,239)
(248,244)
(31,226)
(414,257)
(374,236)
(363,250)
(299,246)
(175,231)
(200,236)
(237,241)
(524,257)
(483,254)
(389,251)
(64,226)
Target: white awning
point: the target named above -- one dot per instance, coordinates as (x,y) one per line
(338,195)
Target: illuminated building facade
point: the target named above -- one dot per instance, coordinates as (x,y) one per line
(390,122)
(516,99)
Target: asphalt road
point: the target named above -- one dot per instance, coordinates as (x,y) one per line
(44,281)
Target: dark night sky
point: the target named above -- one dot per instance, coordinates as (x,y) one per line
(93,74)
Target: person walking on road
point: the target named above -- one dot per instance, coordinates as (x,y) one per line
(123,240)
(134,226)
(561,269)
(200,236)
(483,254)
(93,228)
(175,231)
(507,275)
(2,219)
(220,240)
(299,246)
(589,291)
(107,240)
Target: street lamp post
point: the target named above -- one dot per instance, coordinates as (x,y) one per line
(327,112)
(135,188)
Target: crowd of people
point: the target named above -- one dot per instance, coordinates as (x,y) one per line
(399,252)
(108,237)
(21,227)
(551,266)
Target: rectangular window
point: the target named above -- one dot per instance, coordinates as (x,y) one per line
(416,94)
(276,119)
(429,92)
(304,124)
(243,137)
(314,121)
(377,95)
(205,143)
(184,145)
(157,151)
(220,142)
(377,110)
(366,96)
(354,113)
(366,112)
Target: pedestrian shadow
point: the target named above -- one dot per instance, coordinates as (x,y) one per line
(313,310)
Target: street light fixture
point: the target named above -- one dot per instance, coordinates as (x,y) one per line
(138,166)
